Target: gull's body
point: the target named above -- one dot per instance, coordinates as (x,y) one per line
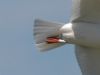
(83,31)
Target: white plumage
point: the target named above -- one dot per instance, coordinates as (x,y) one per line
(82,31)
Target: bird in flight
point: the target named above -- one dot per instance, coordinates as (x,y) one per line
(83,30)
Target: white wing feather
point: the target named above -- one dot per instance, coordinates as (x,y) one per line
(89,60)
(86,11)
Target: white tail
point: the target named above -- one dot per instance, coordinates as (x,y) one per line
(44,29)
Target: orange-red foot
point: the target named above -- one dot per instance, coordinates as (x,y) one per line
(52,40)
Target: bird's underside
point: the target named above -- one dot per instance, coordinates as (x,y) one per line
(83,31)
(87,47)
(86,28)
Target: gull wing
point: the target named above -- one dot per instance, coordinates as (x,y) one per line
(86,11)
(89,60)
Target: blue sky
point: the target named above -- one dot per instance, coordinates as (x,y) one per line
(18,54)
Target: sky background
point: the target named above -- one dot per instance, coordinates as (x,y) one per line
(18,54)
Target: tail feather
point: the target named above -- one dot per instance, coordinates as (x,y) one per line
(44,29)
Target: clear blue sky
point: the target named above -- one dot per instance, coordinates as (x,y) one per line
(18,54)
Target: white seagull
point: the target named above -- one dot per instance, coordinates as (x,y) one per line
(83,31)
